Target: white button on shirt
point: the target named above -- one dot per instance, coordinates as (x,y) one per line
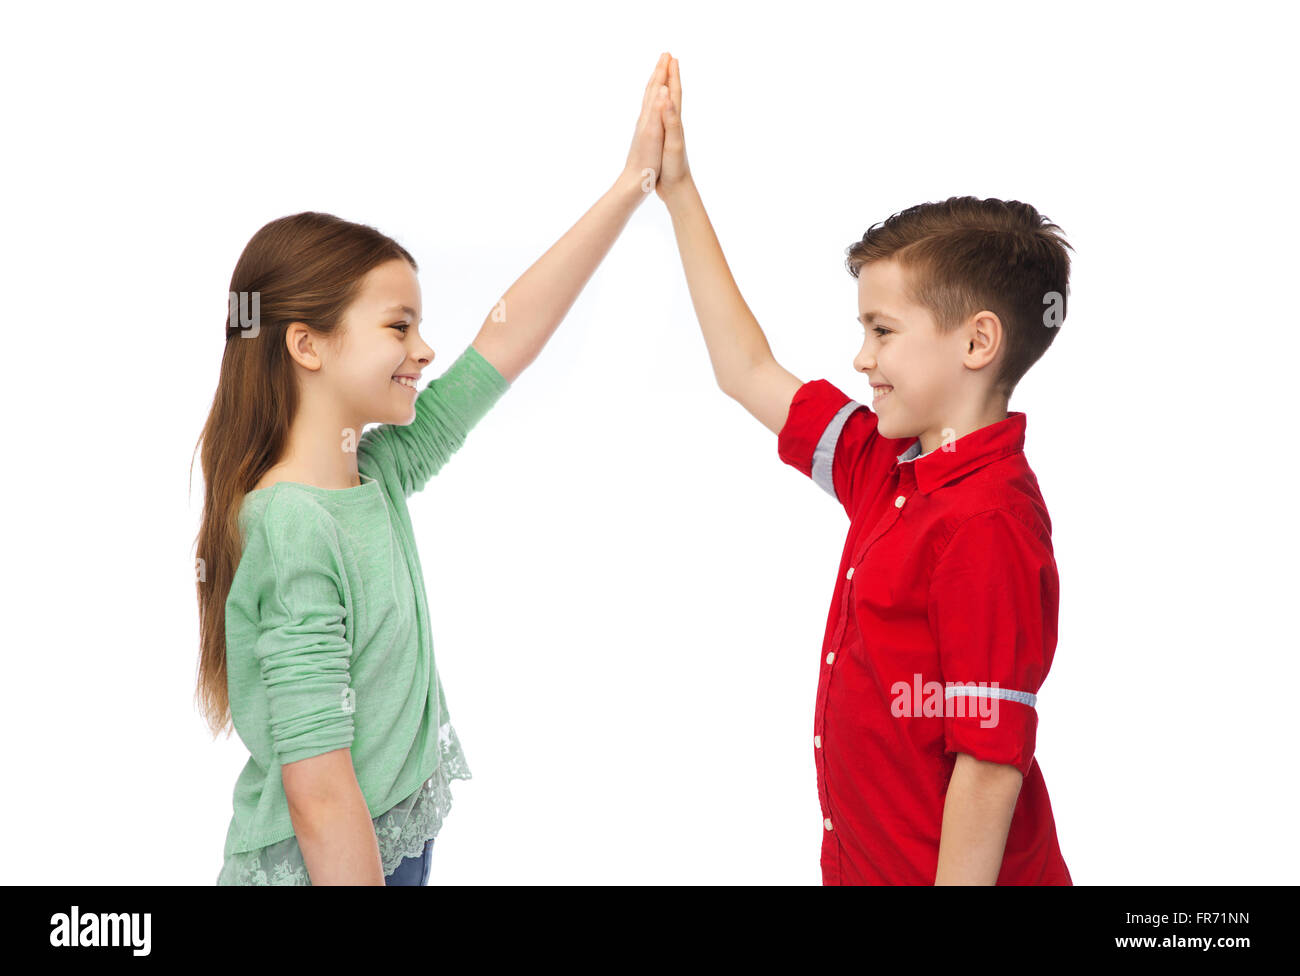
(817,741)
(827,822)
(850,574)
(830,657)
(898,502)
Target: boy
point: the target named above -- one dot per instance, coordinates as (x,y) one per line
(943,621)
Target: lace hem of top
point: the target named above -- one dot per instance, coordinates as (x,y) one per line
(401,831)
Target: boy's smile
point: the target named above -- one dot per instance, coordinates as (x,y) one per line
(924,384)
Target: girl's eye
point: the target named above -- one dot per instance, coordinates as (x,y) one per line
(403,326)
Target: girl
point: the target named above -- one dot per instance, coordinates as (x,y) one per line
(315,636)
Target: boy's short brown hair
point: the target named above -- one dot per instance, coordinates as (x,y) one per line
(965,255)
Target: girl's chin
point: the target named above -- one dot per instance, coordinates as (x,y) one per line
(404,395)
(394,414)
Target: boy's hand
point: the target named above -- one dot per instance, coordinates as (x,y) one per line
(647,149)
(743,363)
(674,170)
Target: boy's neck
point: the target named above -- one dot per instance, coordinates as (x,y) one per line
(961,424)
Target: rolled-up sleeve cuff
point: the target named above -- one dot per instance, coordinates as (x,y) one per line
(319,731)
(990,727)
(816,405)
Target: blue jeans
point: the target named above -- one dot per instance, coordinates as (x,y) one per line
(413,870)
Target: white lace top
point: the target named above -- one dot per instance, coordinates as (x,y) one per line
(401,831)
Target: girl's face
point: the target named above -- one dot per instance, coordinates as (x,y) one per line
(380,342)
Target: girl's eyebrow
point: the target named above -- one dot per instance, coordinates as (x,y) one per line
(405,308)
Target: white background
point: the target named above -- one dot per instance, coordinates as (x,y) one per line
(629,588)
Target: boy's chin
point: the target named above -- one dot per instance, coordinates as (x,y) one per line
(893,430)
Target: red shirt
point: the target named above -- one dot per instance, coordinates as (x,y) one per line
(941,630)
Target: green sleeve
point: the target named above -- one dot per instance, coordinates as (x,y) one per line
(302,648)
(445,412)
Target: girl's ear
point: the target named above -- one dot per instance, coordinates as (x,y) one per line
(302,345)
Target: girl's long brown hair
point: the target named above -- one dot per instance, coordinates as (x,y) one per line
(304,268)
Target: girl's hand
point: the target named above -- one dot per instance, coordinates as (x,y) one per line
(644,158)
(674,171)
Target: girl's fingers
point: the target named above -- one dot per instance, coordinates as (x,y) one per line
(657,79)
(672,124)
(675,85)
(654,112)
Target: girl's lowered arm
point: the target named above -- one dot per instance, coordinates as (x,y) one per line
(518,326)
(331,820)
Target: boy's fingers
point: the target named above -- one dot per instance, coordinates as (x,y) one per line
(675,83)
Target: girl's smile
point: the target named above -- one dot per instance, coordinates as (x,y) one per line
(406,381)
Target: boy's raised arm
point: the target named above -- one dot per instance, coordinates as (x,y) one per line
(742,360)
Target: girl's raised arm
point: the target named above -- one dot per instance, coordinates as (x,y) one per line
(518,326)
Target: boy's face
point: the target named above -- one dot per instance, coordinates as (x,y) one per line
(901,348)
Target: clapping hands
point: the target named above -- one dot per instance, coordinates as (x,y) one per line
(658,153)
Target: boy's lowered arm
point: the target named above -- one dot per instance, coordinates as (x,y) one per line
(743,363)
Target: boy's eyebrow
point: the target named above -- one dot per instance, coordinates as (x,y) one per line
(867,317)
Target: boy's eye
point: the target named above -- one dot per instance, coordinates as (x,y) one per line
(879,329)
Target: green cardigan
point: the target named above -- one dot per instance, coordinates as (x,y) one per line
(328,643)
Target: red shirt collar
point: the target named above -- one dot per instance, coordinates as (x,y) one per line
(936,468)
